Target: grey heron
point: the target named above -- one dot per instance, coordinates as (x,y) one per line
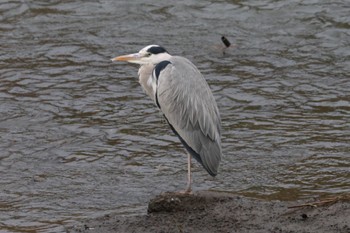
(181,93)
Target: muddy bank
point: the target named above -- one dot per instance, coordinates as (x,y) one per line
(215,212)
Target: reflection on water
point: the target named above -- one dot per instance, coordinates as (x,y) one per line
(80,139)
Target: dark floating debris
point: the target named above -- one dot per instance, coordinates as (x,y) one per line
(225,41)
(224,46)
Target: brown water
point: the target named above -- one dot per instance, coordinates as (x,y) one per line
(80,139)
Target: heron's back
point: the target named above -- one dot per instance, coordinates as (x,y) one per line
(190,108)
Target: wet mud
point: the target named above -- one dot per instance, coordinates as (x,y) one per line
(222,212)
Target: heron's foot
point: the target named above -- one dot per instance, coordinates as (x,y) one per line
(187,191)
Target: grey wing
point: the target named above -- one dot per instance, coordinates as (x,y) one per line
(189,106)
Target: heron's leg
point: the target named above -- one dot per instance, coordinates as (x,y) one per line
(189,175)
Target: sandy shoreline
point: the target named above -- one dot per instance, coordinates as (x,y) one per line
(216,212)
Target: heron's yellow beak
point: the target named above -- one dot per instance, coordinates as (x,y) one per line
(130,57)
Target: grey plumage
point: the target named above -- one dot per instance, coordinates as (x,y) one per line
(190,108)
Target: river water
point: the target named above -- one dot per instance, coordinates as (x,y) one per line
(80,139)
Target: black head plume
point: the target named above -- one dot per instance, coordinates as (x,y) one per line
(156,49)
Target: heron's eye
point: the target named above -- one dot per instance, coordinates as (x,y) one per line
(148,54)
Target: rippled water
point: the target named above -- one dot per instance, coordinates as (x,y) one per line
(80,139)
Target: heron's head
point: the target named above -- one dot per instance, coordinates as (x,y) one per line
(151,54)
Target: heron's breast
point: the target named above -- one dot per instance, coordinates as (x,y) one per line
(152,83)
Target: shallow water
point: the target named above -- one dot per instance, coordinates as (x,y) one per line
(79,138)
